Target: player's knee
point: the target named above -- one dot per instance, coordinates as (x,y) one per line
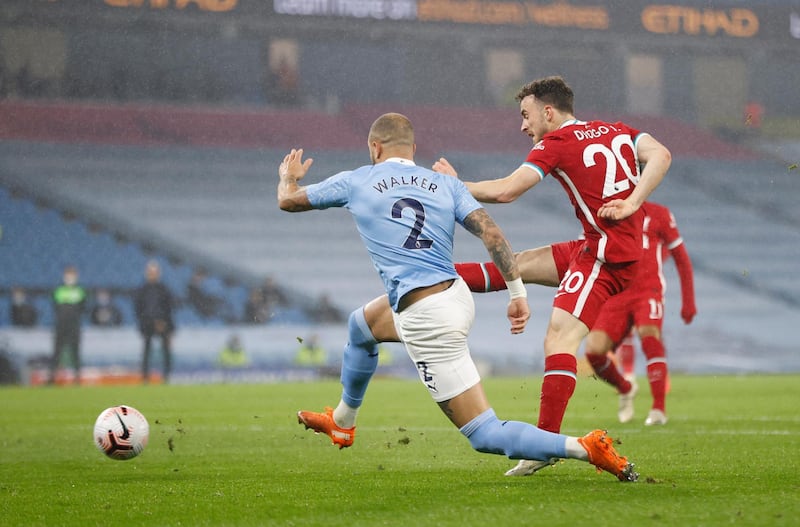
(649,331)
(598,343)
(358,330)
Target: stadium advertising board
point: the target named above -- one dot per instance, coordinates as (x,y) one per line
(554,14)
(693,19)
(214,6)
(375,9)
(676,19)
(776,21)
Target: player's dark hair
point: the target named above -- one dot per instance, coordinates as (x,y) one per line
(550,90)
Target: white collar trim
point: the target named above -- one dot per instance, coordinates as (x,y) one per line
(571,122)
(401,160)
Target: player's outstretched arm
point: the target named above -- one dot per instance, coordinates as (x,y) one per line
(507,189)
(503,190)
(291,196)
(483,226)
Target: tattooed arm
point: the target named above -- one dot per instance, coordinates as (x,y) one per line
(483,226)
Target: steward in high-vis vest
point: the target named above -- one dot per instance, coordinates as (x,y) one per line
(69,305)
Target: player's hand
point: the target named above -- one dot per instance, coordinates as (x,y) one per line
(293,166)
(616,209)
(688,313)
(443,166)
(518,315)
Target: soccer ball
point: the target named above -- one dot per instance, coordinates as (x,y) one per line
(121,432)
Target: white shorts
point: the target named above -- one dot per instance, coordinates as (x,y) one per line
(434,331)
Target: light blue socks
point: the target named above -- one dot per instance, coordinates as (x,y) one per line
(514,439)
(360,359)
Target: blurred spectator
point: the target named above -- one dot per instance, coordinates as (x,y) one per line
(256,310)
(29,85)
(69,304)
(105,312)
(324,311)
(153,303)
(206,303)
(233,356)
(310,353)
(23,312)
(385,357)
(24,81)
(273,295)
(3,77)
(753,113)
(283,84)
(9,366)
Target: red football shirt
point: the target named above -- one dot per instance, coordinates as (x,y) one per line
(595,162)
(660,235)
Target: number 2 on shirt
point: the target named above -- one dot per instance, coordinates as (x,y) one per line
(413,241)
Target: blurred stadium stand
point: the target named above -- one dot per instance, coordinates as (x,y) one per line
(197,189)
(132,130)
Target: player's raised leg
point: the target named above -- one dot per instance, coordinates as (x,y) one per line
(536,266)
(626,357)
(598,343)
(366,326)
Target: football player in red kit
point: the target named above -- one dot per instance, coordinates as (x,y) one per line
(598,165)
(641,307)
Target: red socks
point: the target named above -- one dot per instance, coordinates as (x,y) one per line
(605,368)
(560,374)
(481,277)
(656,370)
(625,355)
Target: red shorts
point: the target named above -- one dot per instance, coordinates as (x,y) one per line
(587,283)
(627,310)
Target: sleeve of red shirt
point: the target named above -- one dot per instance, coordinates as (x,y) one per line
(686,275)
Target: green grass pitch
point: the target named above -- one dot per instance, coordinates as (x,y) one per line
(235,455)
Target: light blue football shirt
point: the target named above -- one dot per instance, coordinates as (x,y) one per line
(406,216)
